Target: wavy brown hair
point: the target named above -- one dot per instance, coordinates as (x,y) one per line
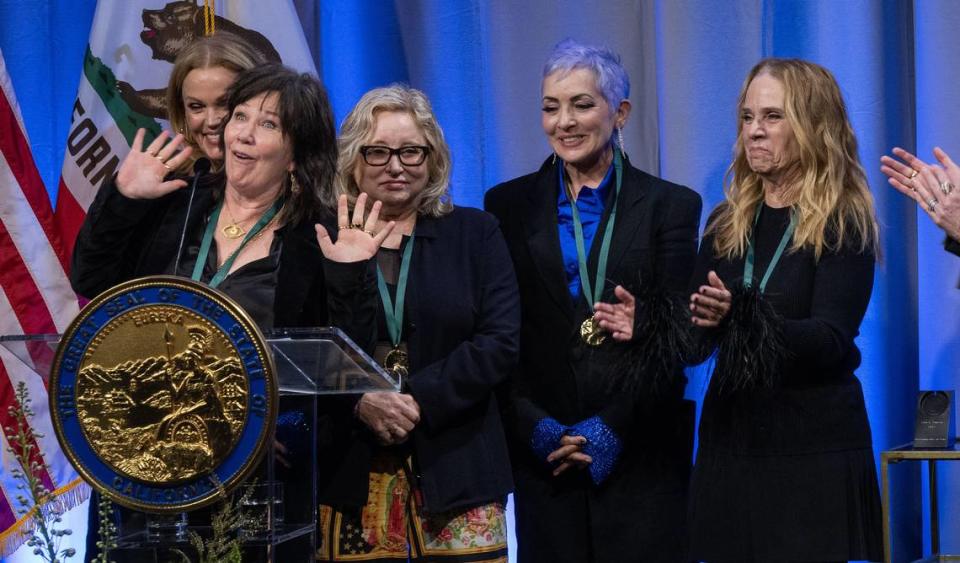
(829,191)
(306,120)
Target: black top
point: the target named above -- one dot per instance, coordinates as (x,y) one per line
(818,403)
(252,285)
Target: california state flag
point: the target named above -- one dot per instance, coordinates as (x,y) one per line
(129,57)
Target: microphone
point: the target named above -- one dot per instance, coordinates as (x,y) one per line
(200,167)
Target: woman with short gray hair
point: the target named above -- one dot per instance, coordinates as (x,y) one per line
(601,434)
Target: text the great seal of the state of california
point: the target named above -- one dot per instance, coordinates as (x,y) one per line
(162,391)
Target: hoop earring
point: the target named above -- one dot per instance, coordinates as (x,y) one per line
(294,185)
(620,140)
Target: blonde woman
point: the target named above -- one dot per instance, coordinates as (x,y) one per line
(421,474)
(785,466)
(196,97)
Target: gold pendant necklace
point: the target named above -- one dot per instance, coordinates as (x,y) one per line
(232,230)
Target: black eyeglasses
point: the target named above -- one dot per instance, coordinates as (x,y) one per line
(377,155)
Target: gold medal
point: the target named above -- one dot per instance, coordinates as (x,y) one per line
(397,362)
(591,333)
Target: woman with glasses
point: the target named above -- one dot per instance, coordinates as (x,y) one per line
(601,435)
(423,473)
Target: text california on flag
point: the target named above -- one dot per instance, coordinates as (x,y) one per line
(126,66)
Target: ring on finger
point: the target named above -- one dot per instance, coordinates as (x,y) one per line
(356,226)
(370,232)
(932,202)
(913,174)
(946,187)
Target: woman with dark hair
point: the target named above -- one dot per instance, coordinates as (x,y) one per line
(601,434)
(785,468)
(279,153)
(421,474)
(248,229)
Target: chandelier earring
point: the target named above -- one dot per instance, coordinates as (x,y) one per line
(620,139)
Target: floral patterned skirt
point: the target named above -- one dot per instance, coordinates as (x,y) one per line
(393,526)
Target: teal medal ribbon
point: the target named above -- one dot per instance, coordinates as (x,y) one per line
(748,263)
(224,269)
(396,362)
(590,332)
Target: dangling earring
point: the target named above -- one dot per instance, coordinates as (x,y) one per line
(554,161)
(294,185)
(620,140)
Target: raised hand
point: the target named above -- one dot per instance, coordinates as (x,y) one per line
(932,186)
(142,171)
(617,318)
(711,303)
(357,239)
(391,416)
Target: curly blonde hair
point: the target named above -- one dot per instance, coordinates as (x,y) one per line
(358,127)
(829,192)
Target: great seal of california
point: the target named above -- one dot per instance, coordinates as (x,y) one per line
(162,392)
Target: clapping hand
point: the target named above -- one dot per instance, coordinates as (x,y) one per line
(142,172)
(711,303)
(617,318)
(932,186)
(357,239)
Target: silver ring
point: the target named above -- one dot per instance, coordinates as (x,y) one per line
(946,187)
(932,202)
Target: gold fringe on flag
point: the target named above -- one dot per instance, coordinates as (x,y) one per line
(209,17)
(66,497)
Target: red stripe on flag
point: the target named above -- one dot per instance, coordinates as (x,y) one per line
(17,153)
(22,291)
(69,217)
(7,421)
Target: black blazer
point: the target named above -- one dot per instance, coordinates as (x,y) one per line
(654,242)
(464,314)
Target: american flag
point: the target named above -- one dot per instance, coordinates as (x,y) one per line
(35,298)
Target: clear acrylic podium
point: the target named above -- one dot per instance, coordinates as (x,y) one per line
(281,507)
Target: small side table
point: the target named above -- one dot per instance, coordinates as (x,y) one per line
(907,452)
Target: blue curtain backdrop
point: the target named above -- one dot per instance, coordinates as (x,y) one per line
(480,64)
